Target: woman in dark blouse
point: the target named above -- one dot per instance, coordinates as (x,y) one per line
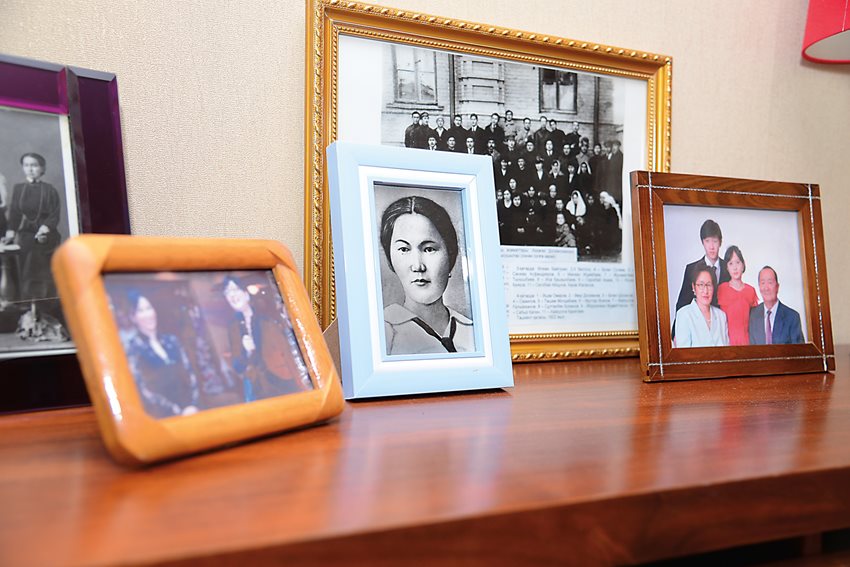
(34,210)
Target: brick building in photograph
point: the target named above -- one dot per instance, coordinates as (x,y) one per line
(444,84)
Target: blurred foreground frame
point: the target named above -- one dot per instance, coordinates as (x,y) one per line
(327,20)
(131,434)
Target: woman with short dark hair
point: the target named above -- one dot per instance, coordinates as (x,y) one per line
(700,324)
(736,298)
(34,214)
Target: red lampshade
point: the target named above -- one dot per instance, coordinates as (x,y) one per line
(828,32)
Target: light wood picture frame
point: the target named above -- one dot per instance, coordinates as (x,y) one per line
(641,80)
(249,372)
(765,242)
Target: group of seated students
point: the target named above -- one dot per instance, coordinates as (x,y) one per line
(552,188)
(732,315)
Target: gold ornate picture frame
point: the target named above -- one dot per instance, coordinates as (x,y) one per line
(369,67)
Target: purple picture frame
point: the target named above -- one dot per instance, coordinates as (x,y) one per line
(90,100)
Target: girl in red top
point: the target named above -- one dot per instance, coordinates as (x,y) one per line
(736,298)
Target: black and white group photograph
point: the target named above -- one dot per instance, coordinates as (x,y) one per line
(424,284)
(36,216)
(201,340)
(555,138)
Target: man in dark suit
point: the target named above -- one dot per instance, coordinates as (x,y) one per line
(411,130)
(613,182)
(502,173)
(494,132)
(772,322)
(542,133)
(522,173)
(529,153)
(548,154)
(511,128)
(458,132)
(511,152)
(712,238)
(573,137)
(422,133)
(556,135)
(441,133)
(538,177)
(477,133)
(597,165)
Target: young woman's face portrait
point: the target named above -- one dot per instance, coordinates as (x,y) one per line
(735,267)
(419,258)
(144,316)
(236,297)
(32,169)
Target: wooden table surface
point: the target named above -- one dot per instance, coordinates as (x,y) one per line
(580,463)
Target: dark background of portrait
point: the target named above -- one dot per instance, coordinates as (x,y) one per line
(457,293)
(22,131)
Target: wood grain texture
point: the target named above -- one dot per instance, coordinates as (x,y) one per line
(581,463)
(651,192)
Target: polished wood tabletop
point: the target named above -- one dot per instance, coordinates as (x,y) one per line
(580,463)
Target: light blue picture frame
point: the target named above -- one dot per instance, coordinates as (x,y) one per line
(356,174)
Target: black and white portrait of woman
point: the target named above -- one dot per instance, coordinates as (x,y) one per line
(424,283)
(38,211)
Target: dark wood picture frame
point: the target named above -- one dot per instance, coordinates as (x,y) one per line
(651,191)
(90,100)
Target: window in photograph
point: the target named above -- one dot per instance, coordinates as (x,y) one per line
(200,340)
(415,74)
(557,90)
(424,279)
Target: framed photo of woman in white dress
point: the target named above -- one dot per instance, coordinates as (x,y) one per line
(416,254)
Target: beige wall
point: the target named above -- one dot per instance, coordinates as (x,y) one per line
(211,96)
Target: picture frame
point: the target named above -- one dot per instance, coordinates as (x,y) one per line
(418,272)
(84,105)
(211,343)
(764,243)
(339,106)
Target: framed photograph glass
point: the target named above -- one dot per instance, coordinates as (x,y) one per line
(562,121)
(213,343)
(61,174)
(418,272)
(731,277)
